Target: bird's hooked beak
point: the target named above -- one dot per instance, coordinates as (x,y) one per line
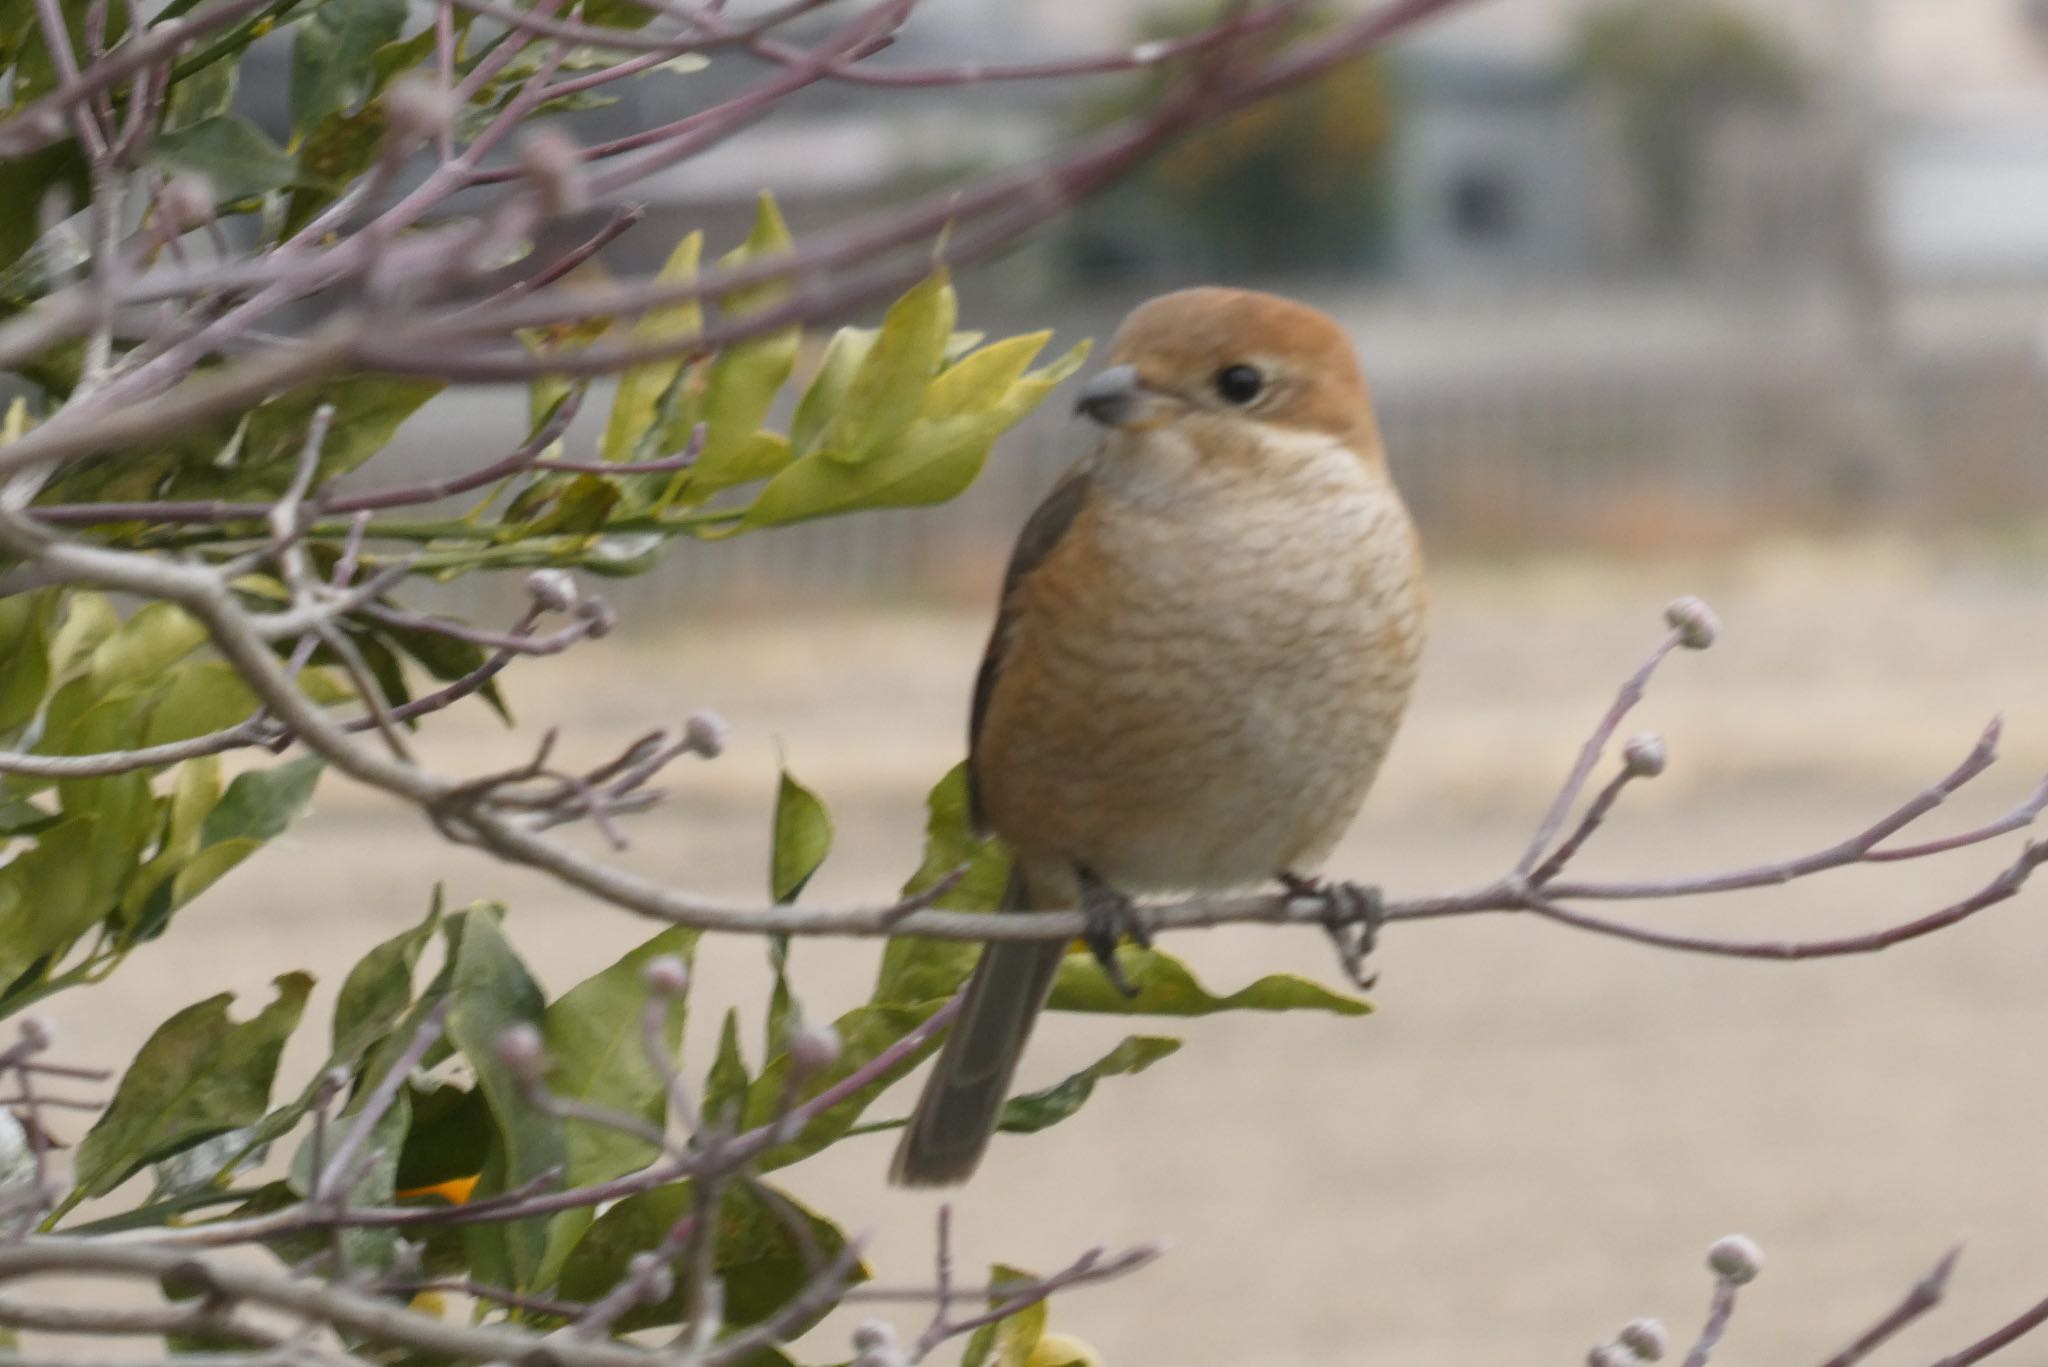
(1113,398)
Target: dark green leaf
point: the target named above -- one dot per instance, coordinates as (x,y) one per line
(490,991)
(231,152)
(19,817)
(725,1086)
(757,1255)
(333,55)
(199,1075)
(1037,1110)
(452,1136)
(24,183)
(378,989)
(594,1041)
(200,95)
(259,805)
(916,970)
(864,1033)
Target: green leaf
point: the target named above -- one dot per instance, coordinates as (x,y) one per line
(758,1256)
(452,1136)
(1009,1341)
(725,1086)
(194,792)
(864,1033)
(746,376)
(803,837)
(199,1075)
(207,867)
(917,970)
(259,805)
(155,638)
(332,56)
(90,620)
(826,395)
(1165,987)
(981,380)
(365,1249)
(25,623)
(52,893)
(238,161)
(931,460)
(338,150)
(489,992)
(889,386)
(378,989)
(641,388)
(593,1037)
(19,817)
(25,182)
(200,94)
(1036,1111)
(198,698)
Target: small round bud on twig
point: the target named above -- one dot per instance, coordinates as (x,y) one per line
(332,1083)
(519,1048)
(187,200)
(1646,1338)
(37,1032)
(553,163)
(1694,621)
(1644,755)
(869,1335)
(599,614)
(1736,1259)
(706,734)
(654,1276)
(668,975)
(554,590)
(1610,1355)
(813,1048)
(416,109)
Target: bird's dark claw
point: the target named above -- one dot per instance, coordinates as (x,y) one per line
(1111,916)
(1352,915)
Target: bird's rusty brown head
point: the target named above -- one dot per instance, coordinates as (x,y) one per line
(1229,353)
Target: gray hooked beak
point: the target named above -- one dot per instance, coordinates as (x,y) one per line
(1113,397)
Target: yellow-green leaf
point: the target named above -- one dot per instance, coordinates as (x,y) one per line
(641,388)
(981,379)
(826,394)
(888,388)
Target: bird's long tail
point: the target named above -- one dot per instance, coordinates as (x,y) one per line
(964,1096)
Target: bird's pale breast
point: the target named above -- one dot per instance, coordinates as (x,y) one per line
(1205,674)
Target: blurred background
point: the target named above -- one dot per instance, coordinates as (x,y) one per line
(1657,296)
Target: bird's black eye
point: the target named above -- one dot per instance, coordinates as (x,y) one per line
(1239,384)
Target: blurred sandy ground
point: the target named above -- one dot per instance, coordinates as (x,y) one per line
(1540,1132)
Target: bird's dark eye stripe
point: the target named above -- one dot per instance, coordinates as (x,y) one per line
(1239,383)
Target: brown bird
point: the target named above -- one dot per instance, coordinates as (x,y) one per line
(1206,639)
